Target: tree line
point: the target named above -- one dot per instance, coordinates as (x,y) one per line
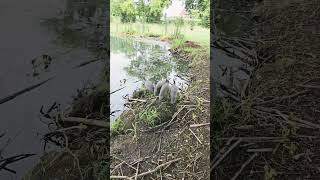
(151,11)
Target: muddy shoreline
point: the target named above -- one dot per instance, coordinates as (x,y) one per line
(268,127)
(136,138)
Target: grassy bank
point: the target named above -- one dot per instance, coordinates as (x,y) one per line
(199,34)
(270,128)
(152,134)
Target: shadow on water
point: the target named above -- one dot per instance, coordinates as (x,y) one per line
(37,28)
(134,61)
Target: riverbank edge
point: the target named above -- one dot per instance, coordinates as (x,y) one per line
(199,67)
(61,164)
(270,129)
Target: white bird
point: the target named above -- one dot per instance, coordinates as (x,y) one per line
(158,86)
(149,85)
(173,92)
(164,90)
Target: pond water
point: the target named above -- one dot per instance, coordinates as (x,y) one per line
(133,61)
(24,37)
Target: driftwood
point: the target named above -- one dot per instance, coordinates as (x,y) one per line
(226,153)
(199,125)
(5,162)
(6,99)
(146,173)
(244,165)
(90,122)
(116,90)
(86,63)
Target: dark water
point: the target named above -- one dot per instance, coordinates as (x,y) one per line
(23,36)
(135,61)
(222,62)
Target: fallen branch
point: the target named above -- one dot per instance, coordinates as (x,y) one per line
(13,159)
(158,167)
(199,125)
(286,117)
(139,100)
(195,136)
(174,116)
(309,86)
(283,98)
(254,139)
(226,153)
(14,95)
(120,177)
(146,173)
(86,63)
(244,165)
(260,150)
(116,90)
(91,122)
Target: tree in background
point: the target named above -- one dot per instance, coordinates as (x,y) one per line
(125,9)
(155,9)
(199,9)
(147,10)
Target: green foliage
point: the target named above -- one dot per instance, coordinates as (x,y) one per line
(149,116)
(148,61)
(178,42)
(269,173)
(154,10)
(200,10)
(178,23)
(125,9)
(118,126)
(153,66)
(199,5)
(205,17)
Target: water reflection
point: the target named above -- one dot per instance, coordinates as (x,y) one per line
(134,61)
(22,39)
(81,24)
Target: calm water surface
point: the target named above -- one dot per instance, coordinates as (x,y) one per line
(134,61)
(23,37)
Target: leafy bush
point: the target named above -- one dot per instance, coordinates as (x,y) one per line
(118,126)
(149,116)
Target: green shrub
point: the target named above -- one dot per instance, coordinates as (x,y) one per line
(149,116)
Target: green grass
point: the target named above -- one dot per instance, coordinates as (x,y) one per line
(199,34)
(117,127)
(149,116)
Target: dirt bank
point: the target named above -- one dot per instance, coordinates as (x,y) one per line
(269,129)
(166,141)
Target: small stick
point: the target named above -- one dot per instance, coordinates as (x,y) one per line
(283,98)
(226,153)
(137,171)
(120,177)
(117,166)
(158,167)
(139,100)
(86,63)
(244,165)
(260,150)
(116,90)
(262,138)
(309,86)
(195,136)
(199,125)
(174,116)
(14,95)
(91,122)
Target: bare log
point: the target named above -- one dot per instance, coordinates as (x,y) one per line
(90,122)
